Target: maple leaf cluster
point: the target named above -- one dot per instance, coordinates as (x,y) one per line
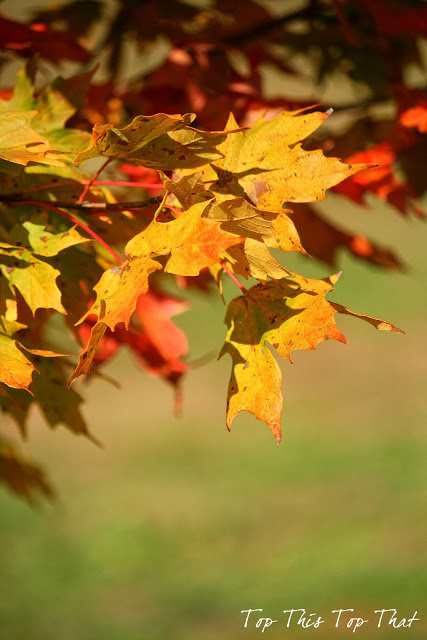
(225,190)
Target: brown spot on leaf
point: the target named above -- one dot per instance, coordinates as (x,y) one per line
(260,187)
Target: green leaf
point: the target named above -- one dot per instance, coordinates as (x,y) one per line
(34,279)
(33,234)
(60,100)
(50,110)
(20,143)
(70,141)
(42,177)
(23,93)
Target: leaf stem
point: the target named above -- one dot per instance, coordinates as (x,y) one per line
(94,235)
(92,180)
(232,276)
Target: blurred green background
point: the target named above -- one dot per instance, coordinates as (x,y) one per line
(176,525)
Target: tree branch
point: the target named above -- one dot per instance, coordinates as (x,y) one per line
(261,29)
(16,199)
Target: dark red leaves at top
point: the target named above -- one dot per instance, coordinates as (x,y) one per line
(397,19)
(27,40)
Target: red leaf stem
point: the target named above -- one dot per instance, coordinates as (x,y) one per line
(92,180)
(232,276)
(94,235)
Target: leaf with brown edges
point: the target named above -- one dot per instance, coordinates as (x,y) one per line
(268,165)
(259,229)
(160,142)
(287,314)
(193,240)
(117,293)
(35,279)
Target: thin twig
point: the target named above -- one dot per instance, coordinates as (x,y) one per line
(259,30)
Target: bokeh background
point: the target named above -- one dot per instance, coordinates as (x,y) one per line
(175,525)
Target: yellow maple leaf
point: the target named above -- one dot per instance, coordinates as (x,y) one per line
(268,165)
(288,314)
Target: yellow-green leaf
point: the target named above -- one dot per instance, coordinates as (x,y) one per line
(20,143)
(33,234)
(34,279)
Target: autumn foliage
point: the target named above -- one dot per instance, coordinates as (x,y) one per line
(197,173)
